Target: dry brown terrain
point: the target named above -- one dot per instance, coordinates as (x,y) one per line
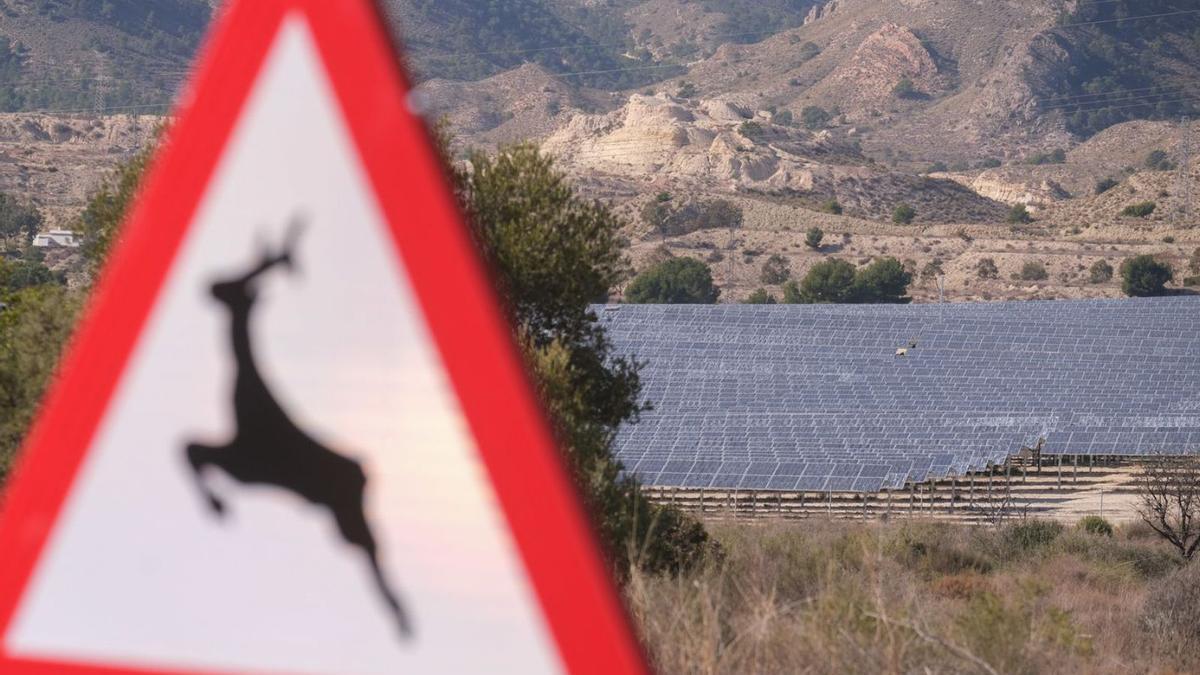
(55,162)
(914,597)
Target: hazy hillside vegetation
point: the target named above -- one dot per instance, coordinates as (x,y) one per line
(1122,70)
(86,54)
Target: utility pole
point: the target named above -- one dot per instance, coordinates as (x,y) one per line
(101,84)
(1185,172)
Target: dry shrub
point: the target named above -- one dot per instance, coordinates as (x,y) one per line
(963,586)
(934,550)
(1171,615)
(820,597)
(1150,560)
(1096,525)
(1016,541)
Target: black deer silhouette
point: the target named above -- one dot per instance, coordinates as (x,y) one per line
(269,449)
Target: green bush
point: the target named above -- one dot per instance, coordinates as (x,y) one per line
(1105,185)
(1139,210)
(675,219)
(676,281)
(832,206)
(1021,539)
(1096,525)
(1019,213)
(1033,271)
(1056,156)
(815,118)
(905,88)
(1142,276)
(813,238)
(1159,160)
(751,130)
(791,293)
(775,270)
(18,274)
(903,214)
(760,297)
(986,269)
(1100,272)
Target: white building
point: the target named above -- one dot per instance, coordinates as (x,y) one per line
(57,239)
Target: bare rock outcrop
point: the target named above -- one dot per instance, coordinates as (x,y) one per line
(887,56)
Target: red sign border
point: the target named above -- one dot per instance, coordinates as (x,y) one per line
(562,558)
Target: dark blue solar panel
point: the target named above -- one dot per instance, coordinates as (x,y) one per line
(815,398)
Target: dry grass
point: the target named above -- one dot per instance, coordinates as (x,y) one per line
(824,597)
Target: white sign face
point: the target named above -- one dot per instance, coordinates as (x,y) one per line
(327,358)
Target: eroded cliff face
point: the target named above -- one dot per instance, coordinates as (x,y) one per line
(715,146)
(1033,192)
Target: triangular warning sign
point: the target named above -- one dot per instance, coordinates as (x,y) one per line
(293,434)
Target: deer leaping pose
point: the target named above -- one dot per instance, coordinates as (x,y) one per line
(269,449)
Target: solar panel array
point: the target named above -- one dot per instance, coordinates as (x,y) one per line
(815,398)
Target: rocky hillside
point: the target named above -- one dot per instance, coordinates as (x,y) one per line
(800,113)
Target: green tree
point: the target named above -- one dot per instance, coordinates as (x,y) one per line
(884,281)
(17,221)
(829,281)
(1019,214)
(34,326)
(18,274)
(775,270)
(760,297)
(904,214)
(813,238)
(678,281)
(791,294)
(554,254)
(101,218)
(1142,276)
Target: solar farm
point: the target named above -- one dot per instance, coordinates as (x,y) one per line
(870,398)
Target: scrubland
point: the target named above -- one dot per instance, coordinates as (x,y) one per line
(921,597)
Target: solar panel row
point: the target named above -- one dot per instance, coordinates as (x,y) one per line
(815,397)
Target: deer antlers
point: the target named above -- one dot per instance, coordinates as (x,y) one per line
(284,256)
